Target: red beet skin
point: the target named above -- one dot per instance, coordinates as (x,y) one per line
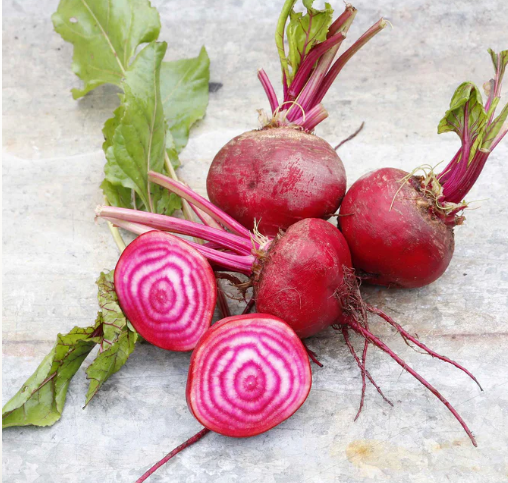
(276,176)
(301,275)
(166,289)
(247,374)
(402,246)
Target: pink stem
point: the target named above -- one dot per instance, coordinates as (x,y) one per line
(170,455)
(316,115)
(344,17)
(307,65)
(197,200)
(344,58)
(372,338)
(205,218)
(269,90)
(176,225)
(416,342)
(309,91)
(238,263)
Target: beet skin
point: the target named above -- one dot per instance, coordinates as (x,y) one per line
(301,275)
(393,234)
(276,176)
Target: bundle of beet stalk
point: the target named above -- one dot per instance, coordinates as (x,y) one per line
(271,193)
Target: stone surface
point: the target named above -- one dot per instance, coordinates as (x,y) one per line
(53,251)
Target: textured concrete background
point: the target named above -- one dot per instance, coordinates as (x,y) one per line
(400,84)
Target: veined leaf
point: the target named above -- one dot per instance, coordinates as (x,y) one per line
(113,318)
(184,92)
(466,117)
(105,36)
(110,360)
(40,401)
(118,340)
(139,140)
(305,31)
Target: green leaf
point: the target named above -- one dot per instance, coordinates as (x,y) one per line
(40,401)
(113,317)
(502,59)
(117,195)
(105,36)
(139,139)
(305,31)
(466,117)
(110,360)
(494,129)
(184,91)
(118,340)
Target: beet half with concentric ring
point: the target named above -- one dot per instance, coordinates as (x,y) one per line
(166,289)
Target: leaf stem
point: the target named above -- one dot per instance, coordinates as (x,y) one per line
(230,261)
(344,58)
(115,232)
(279,38)
(202,203)
(269,90)
(177,225)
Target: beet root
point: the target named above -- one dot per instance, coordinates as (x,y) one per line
(394,236)
(276,177)
(166,289)
(247,374)
(300,276)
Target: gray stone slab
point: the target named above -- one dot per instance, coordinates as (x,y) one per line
(53,251)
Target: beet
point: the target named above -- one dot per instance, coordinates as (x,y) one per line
(399,226)
(394,237)
(304,294)
(276,176)
(247,374)
(166,289)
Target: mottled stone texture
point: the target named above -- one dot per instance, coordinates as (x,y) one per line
(53,251)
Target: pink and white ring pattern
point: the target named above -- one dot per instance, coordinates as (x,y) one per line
(166,289)
(248,374)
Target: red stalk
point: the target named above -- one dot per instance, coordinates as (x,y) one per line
(269,90)
(170,455)
(307,65)
(197,200)
(176,225)
(344,58)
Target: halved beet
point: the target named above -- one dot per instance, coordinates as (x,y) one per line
(166,289)
(247,374)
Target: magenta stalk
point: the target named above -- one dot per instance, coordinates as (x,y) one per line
(173,453)
(200,202)
(269,90)
(344,58)
(176,225)
(239,263)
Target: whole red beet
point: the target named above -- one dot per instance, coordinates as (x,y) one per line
(394,237)
(276,177)
(398,226)
(283,173)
